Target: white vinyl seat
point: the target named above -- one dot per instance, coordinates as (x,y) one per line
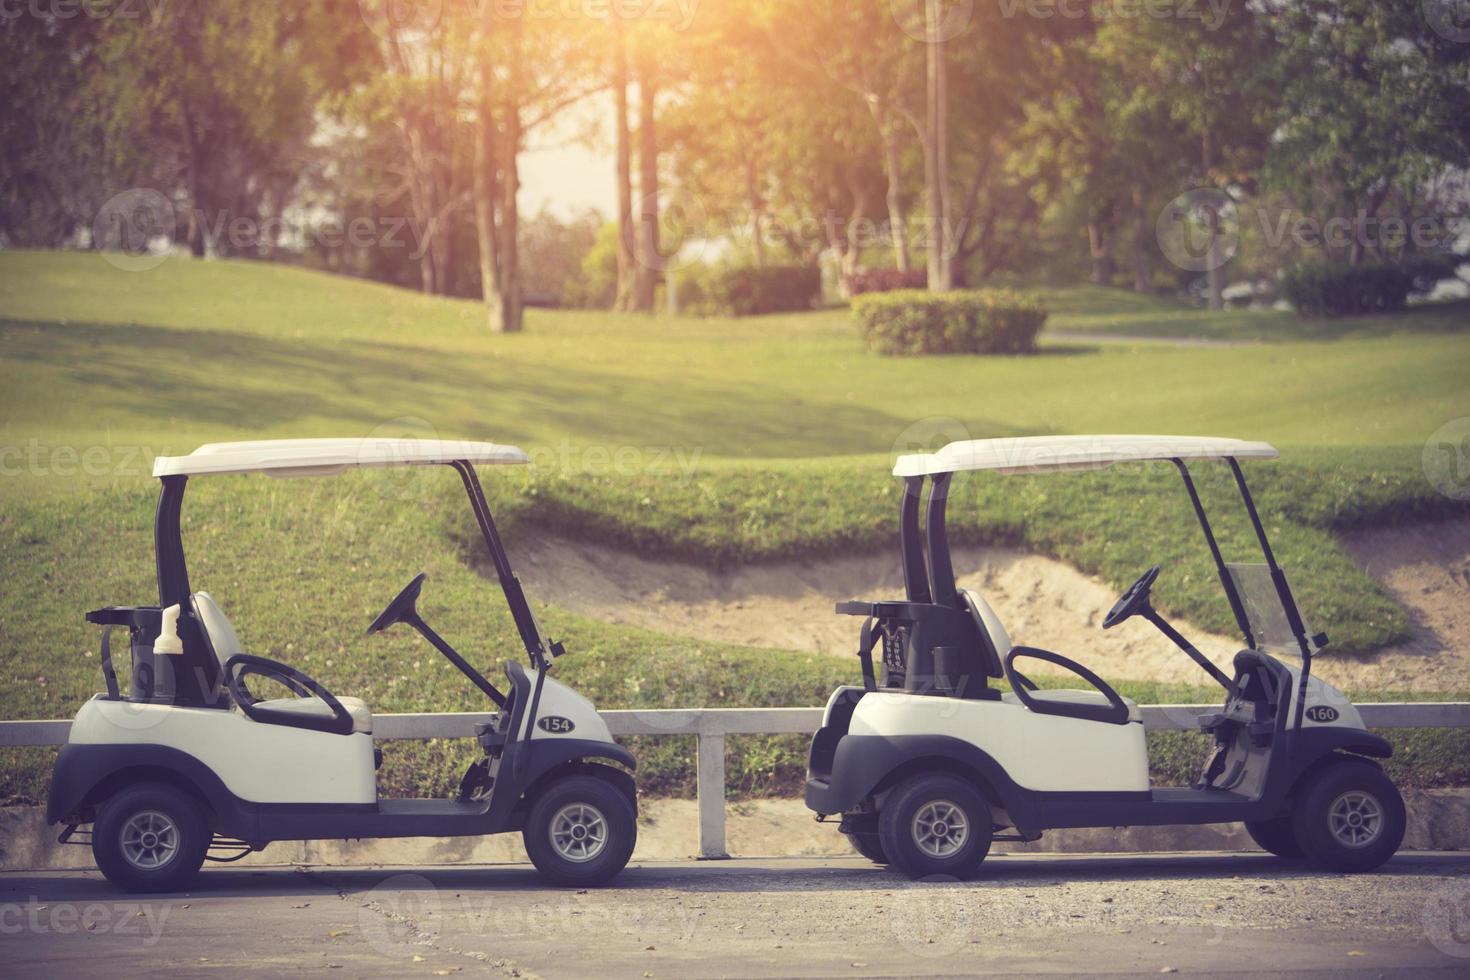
(987,620)
(226,644)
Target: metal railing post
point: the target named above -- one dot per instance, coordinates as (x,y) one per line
(709,789)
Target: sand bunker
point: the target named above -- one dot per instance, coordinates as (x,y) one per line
(1043,602)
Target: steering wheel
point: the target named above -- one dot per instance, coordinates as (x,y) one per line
(1131,602)
(402,606)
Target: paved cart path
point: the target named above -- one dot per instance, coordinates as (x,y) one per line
(1237,914)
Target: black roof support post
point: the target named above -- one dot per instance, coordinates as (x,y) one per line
(515,596)
(1241,619)
(941,568)
(168,545)
(1283,590)
(915,575)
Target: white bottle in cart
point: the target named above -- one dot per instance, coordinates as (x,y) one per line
(168,641)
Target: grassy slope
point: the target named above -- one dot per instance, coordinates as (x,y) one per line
(1099,310)
(92,356)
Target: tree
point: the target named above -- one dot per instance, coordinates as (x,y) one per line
(1376,106)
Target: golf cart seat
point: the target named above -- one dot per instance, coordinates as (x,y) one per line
(226,644)
(989,623)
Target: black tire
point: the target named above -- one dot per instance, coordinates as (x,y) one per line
(1324,818)
(866,843)
(900,826)
(556,802)
(151,838)
(1275,836)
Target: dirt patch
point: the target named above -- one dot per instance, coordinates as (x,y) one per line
(1042,602)
(789,605)
(1426,568)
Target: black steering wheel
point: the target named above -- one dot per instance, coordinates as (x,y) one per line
(402,606)
(1131,602)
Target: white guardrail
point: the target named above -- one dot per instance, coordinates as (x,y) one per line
(709,726)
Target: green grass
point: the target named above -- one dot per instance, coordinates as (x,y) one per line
(1100,310)
(716,440)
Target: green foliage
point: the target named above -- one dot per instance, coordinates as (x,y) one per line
(976,321)
(1322,289)
(598,283)
(886,280)
(742,290)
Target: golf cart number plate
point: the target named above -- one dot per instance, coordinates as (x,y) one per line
(1322,713)
(555,724)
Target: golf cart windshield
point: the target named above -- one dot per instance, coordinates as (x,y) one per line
(1269,623)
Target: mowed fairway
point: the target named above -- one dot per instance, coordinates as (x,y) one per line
(193,351)
(716,440)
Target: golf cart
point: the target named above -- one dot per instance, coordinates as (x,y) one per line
(926,762)
(189,764)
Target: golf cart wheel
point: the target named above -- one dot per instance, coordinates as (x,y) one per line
(935,824)
(866,843)
(580,831)
(151,838)
(1349,816)
(1275,836)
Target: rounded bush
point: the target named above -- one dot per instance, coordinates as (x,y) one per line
(967,321)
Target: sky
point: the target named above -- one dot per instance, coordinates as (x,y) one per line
(565,171)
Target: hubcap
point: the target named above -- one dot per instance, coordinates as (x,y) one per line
(940,828)
(1355,819)
(149,840)
(578,832)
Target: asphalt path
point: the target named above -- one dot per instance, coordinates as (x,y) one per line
(1243,915)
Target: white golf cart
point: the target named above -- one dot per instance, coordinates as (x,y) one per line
(188,764)
(927,762)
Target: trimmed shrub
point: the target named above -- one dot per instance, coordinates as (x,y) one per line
(751,290)
(887,280)
(968,321)
(1319,289)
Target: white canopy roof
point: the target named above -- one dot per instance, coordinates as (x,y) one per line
(324,457)
(1035,454)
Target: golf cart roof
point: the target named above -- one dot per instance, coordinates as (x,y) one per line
(325,457)
(1037,454)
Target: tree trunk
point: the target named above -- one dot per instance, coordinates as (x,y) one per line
(935,156)
(510,214)
(1142,275)
(898,219)
(626,257)
(1097,250)
(650,263)
(757,214)
(486,189)
(1214,273)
